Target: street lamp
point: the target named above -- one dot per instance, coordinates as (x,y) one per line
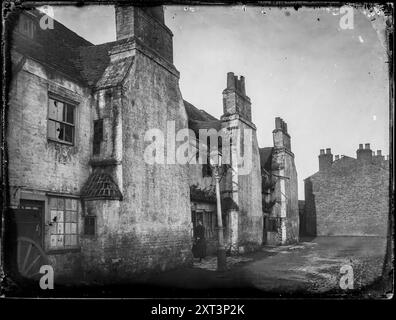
(215,162)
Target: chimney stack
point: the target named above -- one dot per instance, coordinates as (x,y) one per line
(147,25)
(325,160)
(364,155)
(280,134)
(235,100)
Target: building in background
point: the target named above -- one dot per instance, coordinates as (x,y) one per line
(348,196)
(279,189)
(240,189)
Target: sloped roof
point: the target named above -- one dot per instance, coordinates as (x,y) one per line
(200,119)
(72,55)
(115,72)
(266,158)
(101,185)
(55,47)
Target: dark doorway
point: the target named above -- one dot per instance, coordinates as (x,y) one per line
(29,220)
(27,239)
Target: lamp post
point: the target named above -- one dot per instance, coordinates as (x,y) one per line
(221,255)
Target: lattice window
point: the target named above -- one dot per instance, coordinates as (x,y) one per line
(64,223)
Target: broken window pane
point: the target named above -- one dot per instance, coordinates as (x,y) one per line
(52,109)
(60,115)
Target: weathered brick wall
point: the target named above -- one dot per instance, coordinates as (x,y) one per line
(133,21)
(36,162)
(292,212)
(249,196)
(286,197)
(350,198)
(152,229)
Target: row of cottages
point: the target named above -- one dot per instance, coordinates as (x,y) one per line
(347,196)
(82,197)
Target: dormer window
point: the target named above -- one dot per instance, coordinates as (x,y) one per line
(26,26)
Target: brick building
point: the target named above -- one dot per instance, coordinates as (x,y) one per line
(279,189)
(347,196)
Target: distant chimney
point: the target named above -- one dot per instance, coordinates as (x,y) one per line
(280,135)
(364,155)
(325,160)
(379,157)
(235,100)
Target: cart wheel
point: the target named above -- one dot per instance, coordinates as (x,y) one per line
(30,258)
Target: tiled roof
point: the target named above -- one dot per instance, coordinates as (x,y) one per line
(200,119)
(115,72)
(55,47)
(194,113)
(70,54)
(100,185)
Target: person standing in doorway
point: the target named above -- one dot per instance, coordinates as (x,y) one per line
(199,249)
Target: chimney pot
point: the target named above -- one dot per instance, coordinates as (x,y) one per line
(322,151)
(230,80)
(367,146)
(337,157)
(278,123)
(328,151)
(360,145)
(242,85)
(379,153)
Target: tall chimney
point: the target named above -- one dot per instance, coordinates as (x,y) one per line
(145,24)
(325,160)
(235,100)
(280,135)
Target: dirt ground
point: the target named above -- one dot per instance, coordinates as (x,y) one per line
(310,268)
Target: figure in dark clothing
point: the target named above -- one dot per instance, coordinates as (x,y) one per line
(199,248)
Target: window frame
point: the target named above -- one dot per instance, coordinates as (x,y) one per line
(68,102)
(97,136)
(94,225)
(64,248)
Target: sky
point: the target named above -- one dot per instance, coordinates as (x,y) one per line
(329,84)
